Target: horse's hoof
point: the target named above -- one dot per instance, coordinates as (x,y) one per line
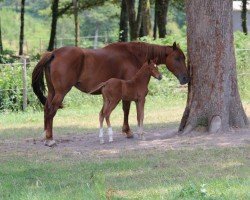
(111,140)
(128,134)
(50,143)
(101,141)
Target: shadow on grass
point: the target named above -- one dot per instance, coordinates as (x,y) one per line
(38,132)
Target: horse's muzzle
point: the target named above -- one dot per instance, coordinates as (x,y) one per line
(184,80)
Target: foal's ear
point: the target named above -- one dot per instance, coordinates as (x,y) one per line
(174,46)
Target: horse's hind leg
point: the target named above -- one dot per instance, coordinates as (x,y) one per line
(52,108)
(126,128)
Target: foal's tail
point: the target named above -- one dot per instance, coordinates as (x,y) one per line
(38,78)
(97,88)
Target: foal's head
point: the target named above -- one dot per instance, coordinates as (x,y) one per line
(154,69)
(175,62)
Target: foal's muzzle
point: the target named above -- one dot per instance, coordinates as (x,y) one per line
(159,77)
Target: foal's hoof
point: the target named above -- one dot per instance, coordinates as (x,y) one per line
(50,143)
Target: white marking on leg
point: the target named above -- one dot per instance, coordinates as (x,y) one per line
(101,136)
(110,133)
(50,143)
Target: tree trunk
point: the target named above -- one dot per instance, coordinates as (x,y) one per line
(244,16)
(123,31)
(155,24)
(146,20)
(21,38)
(77,28)
(213,97)
(161,9)
(54,9)
(135,21)
(1,41)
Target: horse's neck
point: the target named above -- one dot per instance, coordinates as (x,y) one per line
(150,52)
(142,77)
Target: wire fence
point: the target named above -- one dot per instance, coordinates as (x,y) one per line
(16,92)
(40,45)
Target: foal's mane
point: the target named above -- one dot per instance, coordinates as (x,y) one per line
(143,51)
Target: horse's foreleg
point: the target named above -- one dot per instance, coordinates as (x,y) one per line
(49,115)
(140,118)
(126,128)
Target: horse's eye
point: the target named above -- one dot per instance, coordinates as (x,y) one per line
(178,59)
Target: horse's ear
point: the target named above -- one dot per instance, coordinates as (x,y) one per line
(155,60)
(178,45)
(174,46)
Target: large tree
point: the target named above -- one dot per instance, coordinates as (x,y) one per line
(21,38)
(213,96)
(244,16)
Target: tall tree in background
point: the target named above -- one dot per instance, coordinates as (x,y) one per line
(213,96)
(146,20)
(1,41)
(123,30)
(244,16)
(21,38)
(76,20)
(135,20)
(161,9)
(54,9)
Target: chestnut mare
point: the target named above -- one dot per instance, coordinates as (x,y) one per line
(85,69)
(114,90)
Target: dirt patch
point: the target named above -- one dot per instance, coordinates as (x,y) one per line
(87,145)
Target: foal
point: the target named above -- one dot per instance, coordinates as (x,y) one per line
(135,89)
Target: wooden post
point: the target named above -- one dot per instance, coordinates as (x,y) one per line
(24,78)
(96,38)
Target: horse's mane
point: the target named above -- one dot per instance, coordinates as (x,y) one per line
(142,49)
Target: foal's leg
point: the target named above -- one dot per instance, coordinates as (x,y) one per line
(107,112)
(140,117)
(101,118)
(52,109)
(126,128)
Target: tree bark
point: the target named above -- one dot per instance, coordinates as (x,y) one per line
(21,38)
(146,20)
(135,20)
(213,97)
(123,31)
(161,9)
(1,41)
(76,20)
(54,9)
(244,16)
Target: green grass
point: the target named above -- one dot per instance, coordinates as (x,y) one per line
(174,174)
(44,173)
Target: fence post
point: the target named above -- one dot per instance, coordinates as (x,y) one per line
(24,78)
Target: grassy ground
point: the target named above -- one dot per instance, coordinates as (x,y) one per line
(194,173)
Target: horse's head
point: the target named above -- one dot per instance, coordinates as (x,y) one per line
(175,62)
(154,69)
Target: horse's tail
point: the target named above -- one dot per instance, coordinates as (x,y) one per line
(38,78)
(97,88)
